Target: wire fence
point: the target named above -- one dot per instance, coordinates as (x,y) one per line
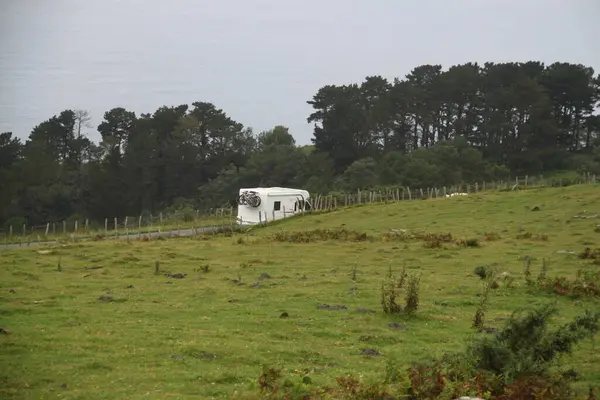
(393,194)
(223,217)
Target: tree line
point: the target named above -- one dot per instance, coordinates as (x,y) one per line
(431,128)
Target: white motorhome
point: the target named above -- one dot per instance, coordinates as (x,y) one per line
(256,205)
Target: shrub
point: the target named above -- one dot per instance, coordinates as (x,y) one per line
(587,283)
(435,240)
(468,242)
(481,271)
(412,294)
(533,236)
(341,234)
(589,254)
(268,380)
(402,279)
(491,236)
(490,283)
(400,235)
(389,294)
(525,347)
(432,244)
(515,363)
(351,388)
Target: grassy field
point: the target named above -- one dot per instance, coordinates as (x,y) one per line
(105,326)
(69,236)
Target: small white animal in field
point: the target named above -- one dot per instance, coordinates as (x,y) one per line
(457,194)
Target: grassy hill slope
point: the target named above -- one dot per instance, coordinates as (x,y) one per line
(106,326)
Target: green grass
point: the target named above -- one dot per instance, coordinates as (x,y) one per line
(205,336)
(82,233)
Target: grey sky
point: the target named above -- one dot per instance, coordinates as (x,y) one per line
(259,60)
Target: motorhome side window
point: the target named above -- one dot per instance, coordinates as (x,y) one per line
(277,206)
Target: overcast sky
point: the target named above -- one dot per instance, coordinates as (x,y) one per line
(258,60)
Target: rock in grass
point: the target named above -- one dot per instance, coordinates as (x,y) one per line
(397,325)
(331,307)
(370,352)
(365,311)
(176,276)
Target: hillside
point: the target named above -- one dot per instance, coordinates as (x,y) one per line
(93,320)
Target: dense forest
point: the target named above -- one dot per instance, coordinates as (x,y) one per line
(433,127)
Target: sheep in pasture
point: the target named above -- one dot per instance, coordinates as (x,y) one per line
(456,194)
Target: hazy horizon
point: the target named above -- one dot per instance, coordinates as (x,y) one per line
(259,61)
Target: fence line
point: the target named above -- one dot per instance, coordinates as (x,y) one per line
(193,219)
(334,201)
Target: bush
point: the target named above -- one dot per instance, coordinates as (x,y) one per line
(491,236)
(589,254)
(481,271)
(412,295)
(341,234)
(390,292)
(467,242)
(525,347)
(540,237)
(515,363)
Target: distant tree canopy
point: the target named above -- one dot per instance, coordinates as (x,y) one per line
(432,128)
